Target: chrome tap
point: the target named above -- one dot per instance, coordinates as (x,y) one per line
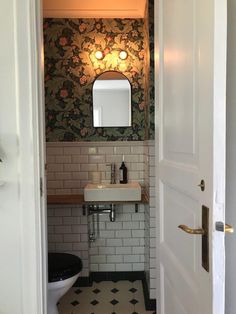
(113,173)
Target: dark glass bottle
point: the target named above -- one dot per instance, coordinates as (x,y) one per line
(123,173)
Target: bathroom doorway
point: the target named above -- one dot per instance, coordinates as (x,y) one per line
(166,287)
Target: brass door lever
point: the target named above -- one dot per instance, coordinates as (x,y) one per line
(229,229)
(191,231)
(204,232)
(220,226)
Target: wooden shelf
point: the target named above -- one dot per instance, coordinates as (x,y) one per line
(75,199)
(66,199)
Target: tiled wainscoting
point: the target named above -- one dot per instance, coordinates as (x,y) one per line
(151,268)
(128,244)
(68,232)
(120,246)
(70,166)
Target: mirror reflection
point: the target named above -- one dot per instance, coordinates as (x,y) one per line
(111,100)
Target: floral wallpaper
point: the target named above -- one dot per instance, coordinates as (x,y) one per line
(149,71)
(71,67)
(151,118)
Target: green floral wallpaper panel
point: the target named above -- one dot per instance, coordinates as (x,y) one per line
(71,67)
(151,109)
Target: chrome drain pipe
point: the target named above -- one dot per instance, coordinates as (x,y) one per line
(112,213)
(95,211)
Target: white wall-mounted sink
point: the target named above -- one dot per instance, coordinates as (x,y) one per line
(112,192)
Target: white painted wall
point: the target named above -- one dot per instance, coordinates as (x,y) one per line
(231,161)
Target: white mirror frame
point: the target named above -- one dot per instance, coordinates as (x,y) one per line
(111,100)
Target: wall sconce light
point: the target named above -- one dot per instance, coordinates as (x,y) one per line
(99,55)
(123,55)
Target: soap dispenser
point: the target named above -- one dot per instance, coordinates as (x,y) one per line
(123,173)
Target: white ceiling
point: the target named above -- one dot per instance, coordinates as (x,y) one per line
(94,8)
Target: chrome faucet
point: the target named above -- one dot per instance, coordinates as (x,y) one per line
(113,173)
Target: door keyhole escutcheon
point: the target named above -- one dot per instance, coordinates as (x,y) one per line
(202,185)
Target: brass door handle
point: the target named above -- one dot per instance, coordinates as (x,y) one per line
(229,229)
(204,233)
(220,226)
(192,231)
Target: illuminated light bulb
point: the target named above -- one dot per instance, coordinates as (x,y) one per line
(99,55)
(123,55)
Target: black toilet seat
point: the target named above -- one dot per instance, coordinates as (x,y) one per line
(62,266)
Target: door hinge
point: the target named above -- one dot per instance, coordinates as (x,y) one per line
(41,187)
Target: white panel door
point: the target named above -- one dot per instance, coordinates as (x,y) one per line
(191,112)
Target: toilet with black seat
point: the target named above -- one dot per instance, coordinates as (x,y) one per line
(63,271)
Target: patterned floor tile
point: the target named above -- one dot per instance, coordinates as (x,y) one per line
(101,308)
(124,308)
(106,297)
(138,285)
(124,285)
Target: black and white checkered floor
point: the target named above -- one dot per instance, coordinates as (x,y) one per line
(106,297)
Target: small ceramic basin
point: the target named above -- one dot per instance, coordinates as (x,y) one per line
(112,192)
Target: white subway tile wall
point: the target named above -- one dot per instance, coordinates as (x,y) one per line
(68,232)
(154,270)
(151,241)
(119,247)
(128,244)
(147,215)
(70,165)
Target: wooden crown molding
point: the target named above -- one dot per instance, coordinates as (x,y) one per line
(53,13)
(94,9)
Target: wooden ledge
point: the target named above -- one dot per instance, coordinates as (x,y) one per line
(65,199)
(75,199)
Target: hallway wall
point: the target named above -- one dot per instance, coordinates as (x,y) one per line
(231,161)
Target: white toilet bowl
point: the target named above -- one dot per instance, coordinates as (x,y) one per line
(56,290)
(63,271)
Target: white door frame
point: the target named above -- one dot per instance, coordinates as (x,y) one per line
(35,16)
(25,20)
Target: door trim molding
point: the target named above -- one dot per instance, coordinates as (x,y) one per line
(157,84)
(29,63)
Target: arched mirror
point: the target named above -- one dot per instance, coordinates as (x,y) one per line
(111,100)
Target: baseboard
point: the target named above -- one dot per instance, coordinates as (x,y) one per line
(108,276)
(83,282)
(117,275)
(150,304)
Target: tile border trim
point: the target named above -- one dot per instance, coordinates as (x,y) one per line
(95,144)
(83,282)
(150,304)
(117,275)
